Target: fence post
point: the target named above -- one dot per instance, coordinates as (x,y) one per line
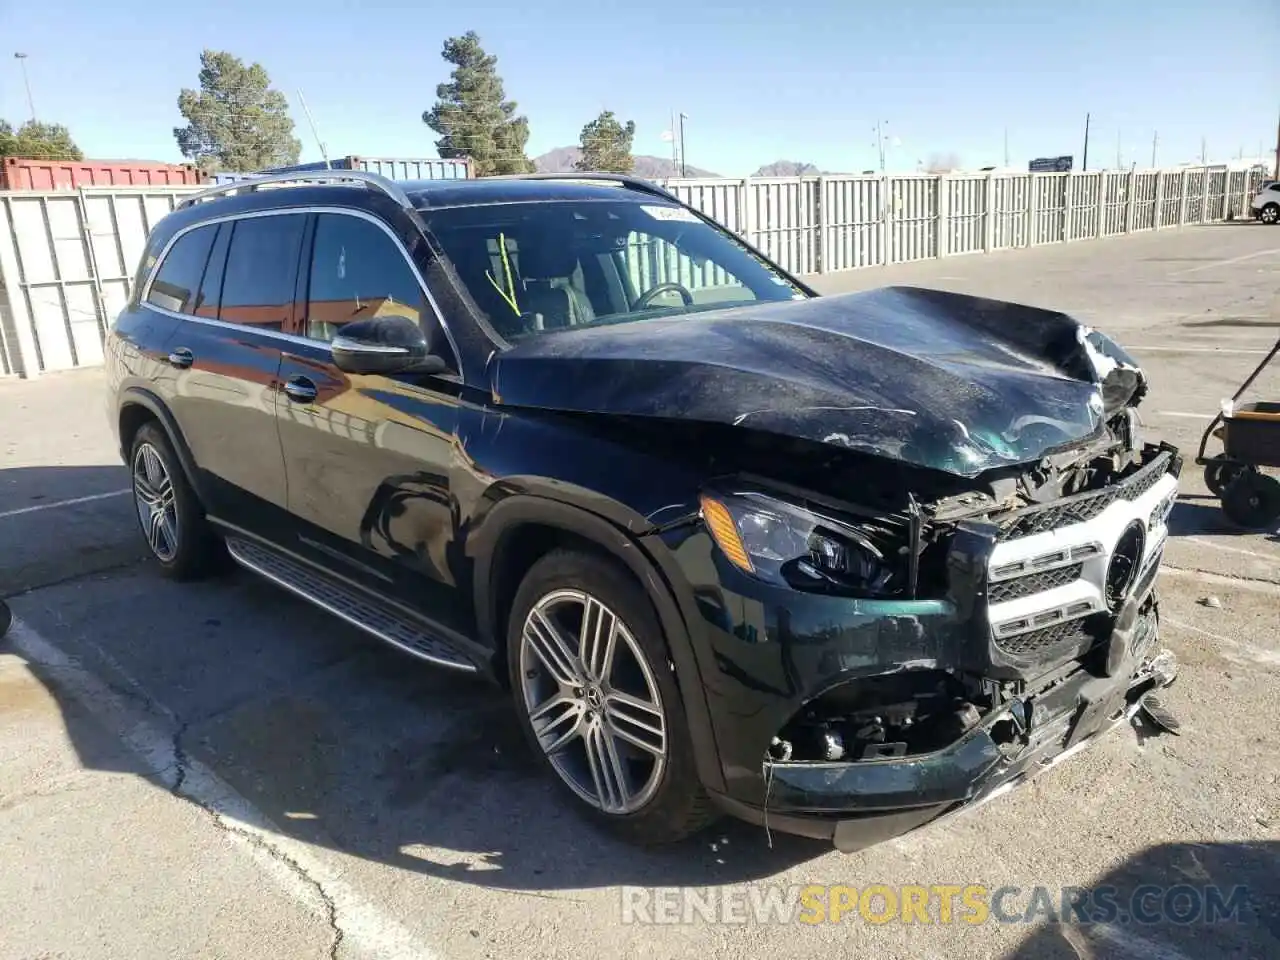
(26,362)
(1204,195)
(1182,197)
(1101,229)
(820,225)
(746,217)
(1157,215)
(1226,195)
(1130,200)
(1033,190)
(989,218)
(886,218)
(91,257)
(943,219)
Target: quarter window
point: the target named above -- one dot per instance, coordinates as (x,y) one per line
(357,272)
(261,270)
(178,279)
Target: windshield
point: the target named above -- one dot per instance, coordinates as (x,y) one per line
(542,267)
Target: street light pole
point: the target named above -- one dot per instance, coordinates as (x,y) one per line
(684,167)
(22,63)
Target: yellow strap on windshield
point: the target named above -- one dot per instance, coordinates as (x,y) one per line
(509,294)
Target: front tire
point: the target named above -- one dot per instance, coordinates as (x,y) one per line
(169,512)
(598,700)
(1270,214)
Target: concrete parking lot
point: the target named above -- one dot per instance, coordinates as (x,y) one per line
(219,770)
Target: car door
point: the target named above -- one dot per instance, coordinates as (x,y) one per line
(227,355)
(368,457)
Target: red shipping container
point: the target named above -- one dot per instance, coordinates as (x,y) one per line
(25,173)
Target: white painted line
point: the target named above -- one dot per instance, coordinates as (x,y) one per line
(1273,558)
(1158,348)
(1222,580)
(309,879)
(1255,653)
(62,503)
(1179,413)
(1225,263)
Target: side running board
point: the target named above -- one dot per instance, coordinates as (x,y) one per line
(358,608)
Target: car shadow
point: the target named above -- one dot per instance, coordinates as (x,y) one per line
(1172,900)
(337,739)
(1204,516)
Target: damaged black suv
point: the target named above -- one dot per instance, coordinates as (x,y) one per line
(844,564)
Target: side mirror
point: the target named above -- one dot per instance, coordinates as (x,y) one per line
(391,344)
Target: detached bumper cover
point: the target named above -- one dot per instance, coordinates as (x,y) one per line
(860,803)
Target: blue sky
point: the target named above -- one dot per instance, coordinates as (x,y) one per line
(757,84)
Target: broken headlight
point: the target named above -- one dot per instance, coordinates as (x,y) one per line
(795,546)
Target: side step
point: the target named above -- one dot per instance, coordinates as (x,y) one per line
(358,608)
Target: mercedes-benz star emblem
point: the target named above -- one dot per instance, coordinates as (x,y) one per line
(1123,569)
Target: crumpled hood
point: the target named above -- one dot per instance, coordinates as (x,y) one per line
(941,380)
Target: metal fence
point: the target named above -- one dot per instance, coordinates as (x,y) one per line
(67,258)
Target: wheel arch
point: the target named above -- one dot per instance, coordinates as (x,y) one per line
(519,530)
(139,406)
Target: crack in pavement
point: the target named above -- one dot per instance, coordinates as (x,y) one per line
(159,738)
(181,764)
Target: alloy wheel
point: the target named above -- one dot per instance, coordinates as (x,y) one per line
(154,498)
(593,701)
(1270,213)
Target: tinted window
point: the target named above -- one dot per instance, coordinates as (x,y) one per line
(211,287)
(357,272)
(262,264)
(175,286)
(536,268)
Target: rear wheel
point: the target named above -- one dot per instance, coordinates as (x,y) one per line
(598,699)
(1252,500)
(170,514)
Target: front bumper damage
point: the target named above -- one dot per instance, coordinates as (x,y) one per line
(1052,614)
(856,805)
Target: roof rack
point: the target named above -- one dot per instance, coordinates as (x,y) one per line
(373,181)
(626,179)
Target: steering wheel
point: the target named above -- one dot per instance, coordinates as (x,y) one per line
(644,299)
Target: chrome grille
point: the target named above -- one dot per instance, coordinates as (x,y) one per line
(1086,506)
(1033,583)
(1036,643)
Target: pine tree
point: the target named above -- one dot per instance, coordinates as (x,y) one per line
(472,115)
(235,121)
(606,145)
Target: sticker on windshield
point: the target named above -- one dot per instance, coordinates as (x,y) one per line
(670,213)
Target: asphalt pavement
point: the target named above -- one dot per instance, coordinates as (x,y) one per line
(219,770)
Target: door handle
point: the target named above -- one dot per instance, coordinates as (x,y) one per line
(300,390)
(181,358)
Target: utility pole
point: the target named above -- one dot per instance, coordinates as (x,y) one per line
(879,144)
(1155,142)
(1203,153)
(684,169)
(26,81)
(675,147)
(1006,146)
(1276,174)
(1084,165)
(1119,161)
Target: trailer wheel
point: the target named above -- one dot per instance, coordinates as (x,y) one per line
(1219,473)
(1252,500)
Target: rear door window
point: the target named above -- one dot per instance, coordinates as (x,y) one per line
(261,271)
(178,280)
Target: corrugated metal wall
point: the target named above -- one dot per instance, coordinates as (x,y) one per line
(67,258)
(823,224)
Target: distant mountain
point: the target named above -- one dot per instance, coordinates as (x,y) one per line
(562,159)
(787,168)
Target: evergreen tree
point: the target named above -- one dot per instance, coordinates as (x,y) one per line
(472,115)
(606,145)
